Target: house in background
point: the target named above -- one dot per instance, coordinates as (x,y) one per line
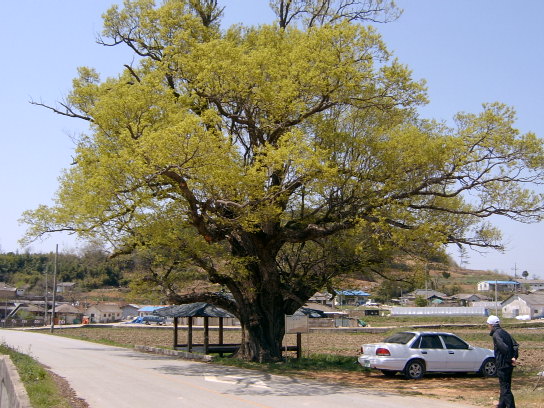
(67,314)
(432,296)
(30,310)
(7,292)
(65,287)
(501,286)
(532,285)
(321,298)
(148,310)
(129,311)
(531,305)
(466,299)
(350,297)
(104,313)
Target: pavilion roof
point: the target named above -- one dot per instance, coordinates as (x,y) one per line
(198,309)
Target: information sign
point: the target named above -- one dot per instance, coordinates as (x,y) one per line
(296,324)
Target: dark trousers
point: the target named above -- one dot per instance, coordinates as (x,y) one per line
(506,399)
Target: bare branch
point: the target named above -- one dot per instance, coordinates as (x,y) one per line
(320,12)
(68,111)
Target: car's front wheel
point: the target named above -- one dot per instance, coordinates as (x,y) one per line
(488,368)
(414,370)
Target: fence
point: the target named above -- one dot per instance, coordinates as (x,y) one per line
(439,311)
(21,322)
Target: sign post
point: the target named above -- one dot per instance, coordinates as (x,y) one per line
(298,325)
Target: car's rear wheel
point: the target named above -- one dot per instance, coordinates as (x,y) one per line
(389,373)
(488,368)
(414,370)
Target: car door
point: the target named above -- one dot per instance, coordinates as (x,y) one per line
(433,352)
(460,355)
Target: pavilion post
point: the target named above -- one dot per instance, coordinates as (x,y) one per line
(220,330)
(206,334)
(190,335)
(175,332)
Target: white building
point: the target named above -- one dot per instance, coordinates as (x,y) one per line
(104,313)
(532,285)
(531,305)
(502,286)
(130,311)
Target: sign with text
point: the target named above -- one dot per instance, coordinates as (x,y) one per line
(296,324)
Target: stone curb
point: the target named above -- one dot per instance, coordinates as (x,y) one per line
(174,353)
(12,391)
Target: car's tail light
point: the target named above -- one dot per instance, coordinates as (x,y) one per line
(382,351)
(362,350)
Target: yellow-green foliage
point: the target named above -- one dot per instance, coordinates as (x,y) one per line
(291,133)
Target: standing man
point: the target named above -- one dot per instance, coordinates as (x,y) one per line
(506,353)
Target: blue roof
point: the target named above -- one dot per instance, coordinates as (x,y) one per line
(352,293)
(149,308)
(503,282)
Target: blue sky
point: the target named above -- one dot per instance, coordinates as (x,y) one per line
(469,51)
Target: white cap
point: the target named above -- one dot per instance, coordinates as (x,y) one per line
(493,320)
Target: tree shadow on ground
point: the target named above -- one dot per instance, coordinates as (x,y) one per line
(249,382)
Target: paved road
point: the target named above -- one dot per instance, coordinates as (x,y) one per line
(113,377)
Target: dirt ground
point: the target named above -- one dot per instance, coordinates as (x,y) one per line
(467,388)
(67,392)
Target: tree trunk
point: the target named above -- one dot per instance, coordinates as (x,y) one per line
(260,299)
(263,329)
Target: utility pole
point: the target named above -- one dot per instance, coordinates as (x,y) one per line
(54,288)
(496,306)
(46,297)
(426,286)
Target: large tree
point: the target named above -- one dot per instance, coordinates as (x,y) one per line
(273,157)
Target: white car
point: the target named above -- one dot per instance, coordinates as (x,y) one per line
(415,353)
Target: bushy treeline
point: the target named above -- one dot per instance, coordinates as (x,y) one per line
(91,269)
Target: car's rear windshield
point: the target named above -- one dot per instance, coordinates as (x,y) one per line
(400,338)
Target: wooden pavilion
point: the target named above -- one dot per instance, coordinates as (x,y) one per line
(199,309)
(206,310)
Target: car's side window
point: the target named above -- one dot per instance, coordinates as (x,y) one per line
(430,342)
(454,343)
(416,343)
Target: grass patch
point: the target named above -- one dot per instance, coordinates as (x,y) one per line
(40,386)
(100,340)
(528,396)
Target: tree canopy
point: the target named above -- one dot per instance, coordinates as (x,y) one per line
(275,157)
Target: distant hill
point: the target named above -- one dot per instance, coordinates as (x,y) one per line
(94,273)
(447,279)
(469,278)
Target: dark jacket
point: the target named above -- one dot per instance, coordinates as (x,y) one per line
(505,346)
